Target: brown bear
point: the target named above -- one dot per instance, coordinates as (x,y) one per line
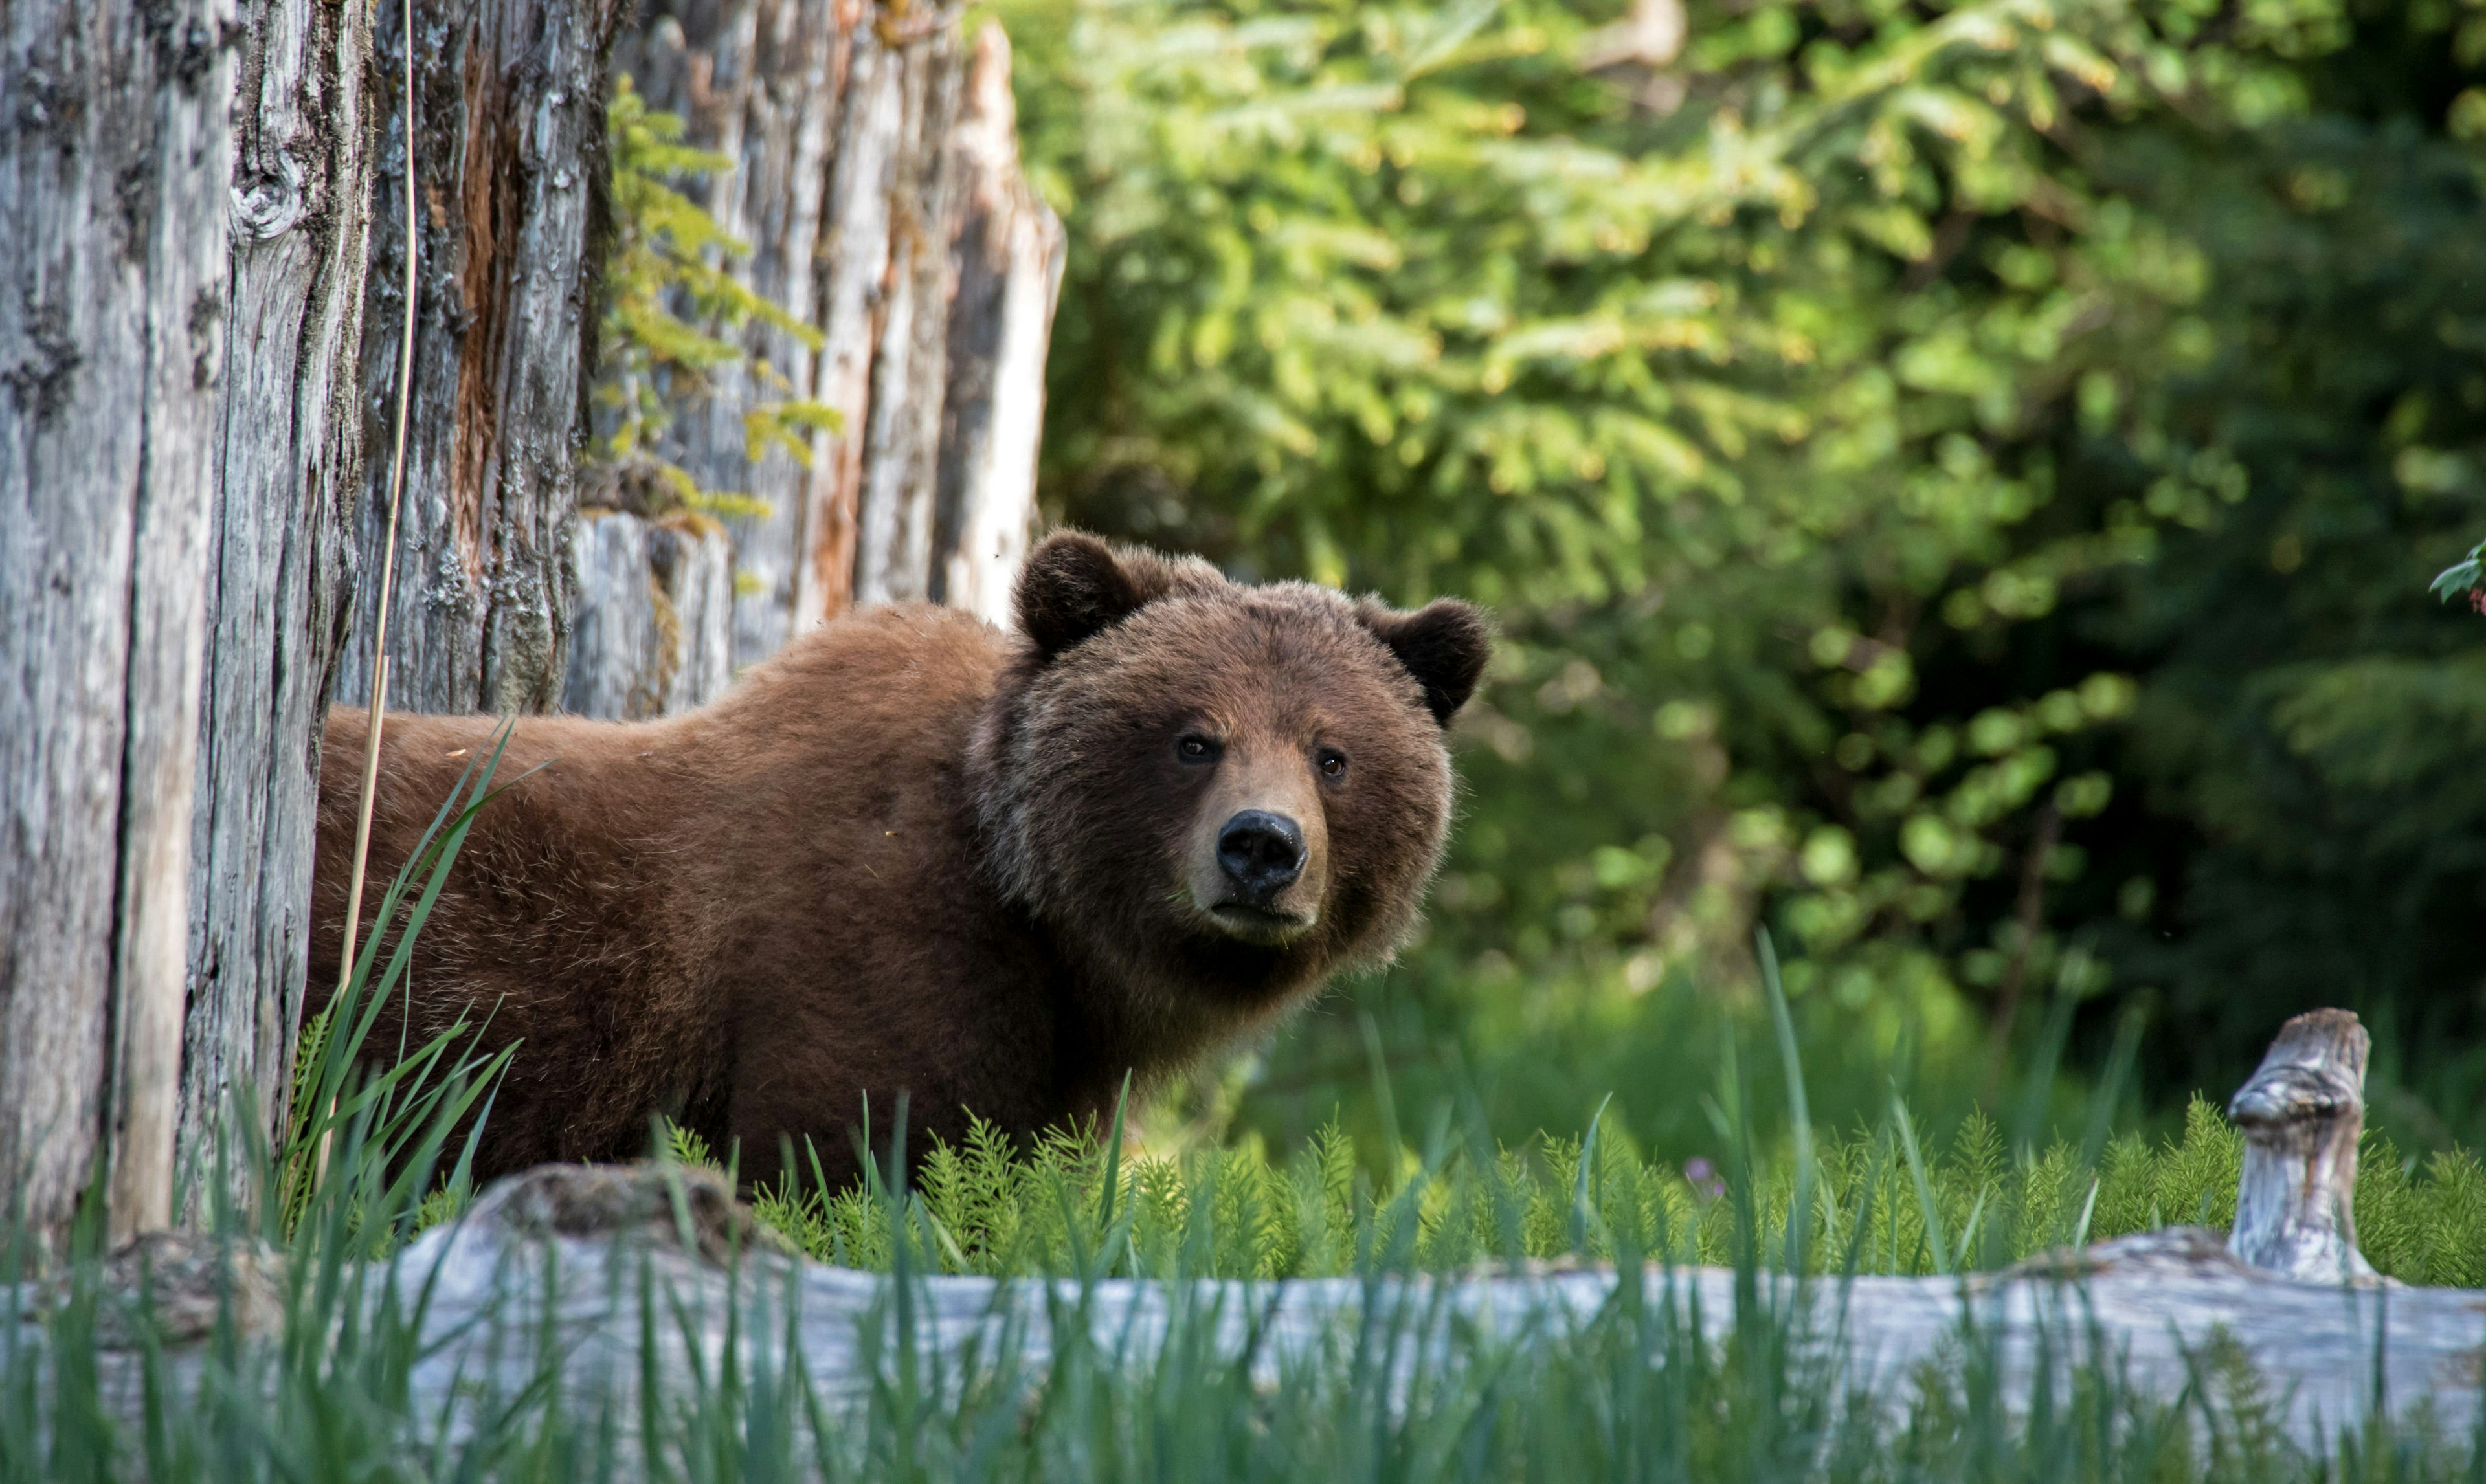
(912,853)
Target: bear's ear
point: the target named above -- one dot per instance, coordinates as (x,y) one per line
(1073,587)
(1444,644)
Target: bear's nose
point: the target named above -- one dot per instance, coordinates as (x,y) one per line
(1262,853)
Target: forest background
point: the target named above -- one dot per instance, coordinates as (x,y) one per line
(1958,484)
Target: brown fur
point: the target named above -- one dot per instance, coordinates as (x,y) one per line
(913,853)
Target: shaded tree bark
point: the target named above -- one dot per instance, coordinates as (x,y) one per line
(113,185)
(177,535)
(655,635)
(507,148)
(291,465)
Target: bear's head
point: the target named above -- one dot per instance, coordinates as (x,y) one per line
(1215,794)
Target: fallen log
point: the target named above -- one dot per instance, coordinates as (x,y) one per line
(594,1265)
(2150,1309)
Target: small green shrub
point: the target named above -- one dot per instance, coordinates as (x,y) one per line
(672,317)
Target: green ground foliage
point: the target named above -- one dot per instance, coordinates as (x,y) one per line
(1880,1202)
(1882,1198)
(1958,482)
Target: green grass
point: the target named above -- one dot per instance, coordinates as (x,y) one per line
(1631,1392)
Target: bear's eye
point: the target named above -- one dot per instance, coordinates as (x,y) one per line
(1333,762)
(1194,748)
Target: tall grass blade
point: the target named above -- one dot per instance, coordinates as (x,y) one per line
(1388,1106)
(1808,1166)
(1583,1208)
(1926,1205)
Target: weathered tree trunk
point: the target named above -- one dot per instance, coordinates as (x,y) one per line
(877,178)
(869,195)
(291,465)
(898,451)
(1008,248)
(761,82)
(507,139)
(509,136)
(113,184)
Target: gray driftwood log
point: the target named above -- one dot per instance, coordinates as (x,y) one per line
(2331,1352)
(113,171)
(555,1257)
(2153,1305)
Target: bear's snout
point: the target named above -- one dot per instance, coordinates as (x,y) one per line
(1257,854)
(1262,854)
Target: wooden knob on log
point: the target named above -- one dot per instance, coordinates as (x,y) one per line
(2301,1115)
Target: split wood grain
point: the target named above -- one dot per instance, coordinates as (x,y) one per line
(113,322)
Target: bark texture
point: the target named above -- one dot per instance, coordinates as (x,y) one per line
(653,633)
(508,147)
(892,499)
(759,82)
(113,183)
(877,178)
(290,459)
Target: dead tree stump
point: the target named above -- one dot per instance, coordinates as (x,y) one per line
(290,471)
(2301,1113)
(507,148)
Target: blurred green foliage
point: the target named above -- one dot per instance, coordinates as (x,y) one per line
(1958,483)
